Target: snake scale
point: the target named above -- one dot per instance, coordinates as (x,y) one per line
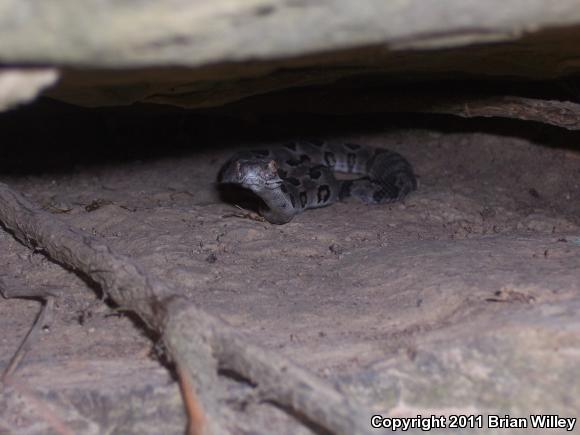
(300,175)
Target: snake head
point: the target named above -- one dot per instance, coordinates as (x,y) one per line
(252,173)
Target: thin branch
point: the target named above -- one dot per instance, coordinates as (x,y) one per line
(199,343)
(196,419)
(44,319)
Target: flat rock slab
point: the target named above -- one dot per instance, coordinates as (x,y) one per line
(140,33)
(207,53)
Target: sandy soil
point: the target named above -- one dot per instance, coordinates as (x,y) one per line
(489,242)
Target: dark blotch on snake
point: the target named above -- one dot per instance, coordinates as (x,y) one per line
(294,181)
(330,159)
(292,200)
(345,188)
(315,174)
(323,193)
(303,199)
(294,162)
(350,161)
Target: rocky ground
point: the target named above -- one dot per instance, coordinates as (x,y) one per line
(463,299)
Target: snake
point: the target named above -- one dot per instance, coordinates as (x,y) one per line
(300,175)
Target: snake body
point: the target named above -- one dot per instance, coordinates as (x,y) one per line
(300,175)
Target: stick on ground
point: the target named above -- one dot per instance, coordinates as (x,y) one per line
(199,343)
(43,320)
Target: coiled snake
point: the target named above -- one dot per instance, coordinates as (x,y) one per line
(300,175)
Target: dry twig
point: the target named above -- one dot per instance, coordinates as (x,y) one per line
(199,343)
(43,320)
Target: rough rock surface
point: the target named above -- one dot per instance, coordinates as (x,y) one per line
(140,33)
(19,86)
(205,53)
(462,299)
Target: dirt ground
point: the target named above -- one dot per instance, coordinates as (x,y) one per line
(464,298)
